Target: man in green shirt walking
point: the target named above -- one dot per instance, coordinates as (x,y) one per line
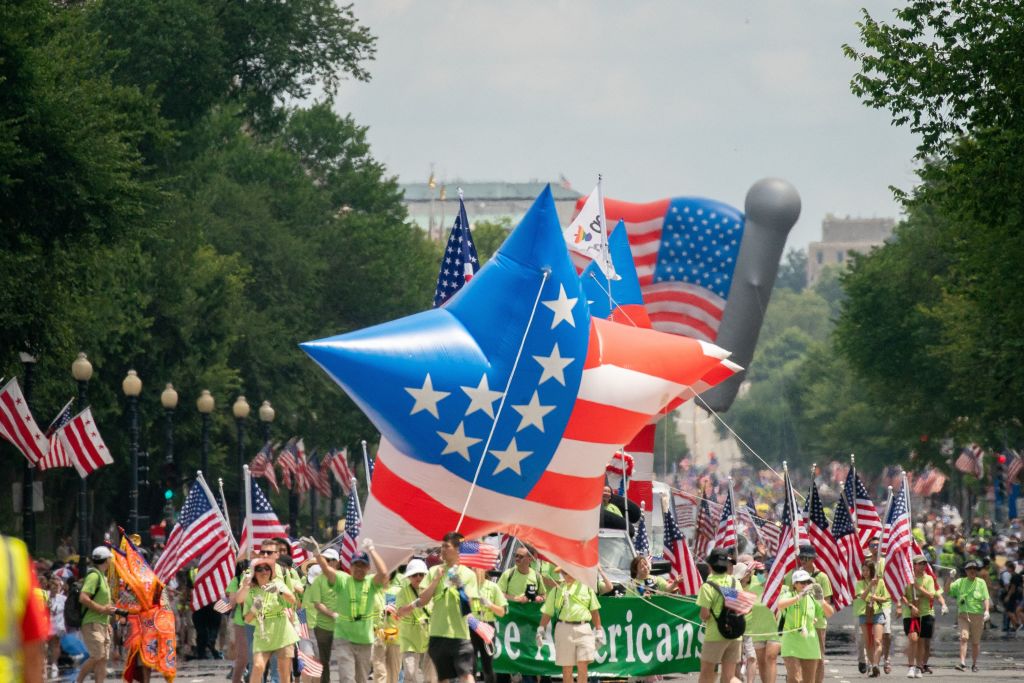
(323,597)
(973,603)
(718,651)
(97,608)
(576,607)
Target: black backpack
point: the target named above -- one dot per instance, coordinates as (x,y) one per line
(73,606)
(731,624)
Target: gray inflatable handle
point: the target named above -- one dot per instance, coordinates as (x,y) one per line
(772,208)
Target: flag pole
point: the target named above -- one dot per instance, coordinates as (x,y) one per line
(215,506)
(355,494)
(247,520)
(853,469)
(227,517)
(366,466)
(910,524)
(625,485)
(792,505)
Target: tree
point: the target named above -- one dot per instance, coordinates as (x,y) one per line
(488,236)
(793,271)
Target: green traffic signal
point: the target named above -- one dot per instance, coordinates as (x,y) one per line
(168,494)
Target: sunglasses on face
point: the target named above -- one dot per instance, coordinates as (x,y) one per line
(262,569)
(267,553)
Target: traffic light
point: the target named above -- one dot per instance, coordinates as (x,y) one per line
(998,475)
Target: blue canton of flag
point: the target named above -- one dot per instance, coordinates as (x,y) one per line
(353,523)
(641,542)
(842,525)
(460,262)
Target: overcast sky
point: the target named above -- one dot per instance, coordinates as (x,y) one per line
(667,98)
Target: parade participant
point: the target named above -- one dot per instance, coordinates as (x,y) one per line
(718,651)
(805,561)
(97,608)
(55,602)
(284,562)
(875,557)
(266,599)
(355,597)
(762,627)
(918,602)
(521,582)
(242,632)
(270,549)
(24,622)
(606,502)
(323,596)
(487,607)
(972,600)
(870,608)
(451,587)
(578,631)
(414,626)
(642,584)
(386,653)
(748,657)
(803,606)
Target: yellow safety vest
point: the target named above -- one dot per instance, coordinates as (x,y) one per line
(14,596)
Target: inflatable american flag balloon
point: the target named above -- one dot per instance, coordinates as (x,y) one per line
(512,385)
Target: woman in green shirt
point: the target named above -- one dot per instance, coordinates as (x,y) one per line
(266,600)
(871,606)
(641,582)
(802,606)
(918,602)
(489,604)
(762,626)
(414,626)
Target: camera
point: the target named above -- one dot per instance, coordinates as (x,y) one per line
(121,612)
(530,592)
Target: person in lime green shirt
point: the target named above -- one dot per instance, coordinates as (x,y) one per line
(522,582)
(450,589)
(871,607)
(355,596)
(973,603)
(718,651)
(387,653)
(918,602)
(242,631)
(606,502)
(266,599)
(762,626)
(578,632)
(642,584)
(805,560)
(414,626)
(489,604)
(97,608)
(323,597)
(802,606)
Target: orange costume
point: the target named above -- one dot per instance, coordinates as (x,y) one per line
(151,640)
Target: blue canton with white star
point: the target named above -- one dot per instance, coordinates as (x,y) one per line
(459,251)
(700,243)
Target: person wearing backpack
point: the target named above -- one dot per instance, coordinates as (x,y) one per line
(721,649)
(97,606)
(802,606)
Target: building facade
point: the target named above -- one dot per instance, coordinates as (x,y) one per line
(843,237)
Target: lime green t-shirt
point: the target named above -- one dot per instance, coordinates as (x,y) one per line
(514,582)
(799,637)
(571,602)
(647,588)
(762,625)
(489,591)
(447,620)
(321,592)
(97,588)
(237,615)
(859,605)
(821,579)
(970,595)
(355,603)
(709,597)
(413,628)
(312,615)
(925,605)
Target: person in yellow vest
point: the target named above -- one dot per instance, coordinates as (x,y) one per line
(323,596)
(918,602)
(489,604)
(414,626)
(871,607)
(805,561)
(386,653)
(24,617)
(97,607)
(578,631)
(803,606)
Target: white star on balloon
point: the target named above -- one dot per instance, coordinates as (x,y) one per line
(532,413)
(562,308)
(510,458)
(553,366)
(426,397)
(481,397)
(458,442)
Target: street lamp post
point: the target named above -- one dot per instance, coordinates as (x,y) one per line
(240,409)
(169,400)
(205,404)
(81,370)
(131,385)
(28,517)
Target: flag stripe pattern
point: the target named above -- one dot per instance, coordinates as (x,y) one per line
(17,424)
(81,440)
(214,572)
(319,476)
(460,261)
(287,462)
(1014,468)
(263,466)
(677,552)
(848,542)
(725,535)
(785,558)
(57,456)
(339,467)
(865,515)
(685,250)
(260,522)
(970,461)
(737,599)
(478,555)
(350,540)
(897,545)
(198,531)
(829,558)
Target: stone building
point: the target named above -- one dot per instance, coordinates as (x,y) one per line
(841,238)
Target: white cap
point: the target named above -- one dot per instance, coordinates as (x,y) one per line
(101,553)
(741,569)
(415,566)
(800,576)
(329,554)
(313,572)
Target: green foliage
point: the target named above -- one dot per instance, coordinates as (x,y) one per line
(793,271)
(489,235)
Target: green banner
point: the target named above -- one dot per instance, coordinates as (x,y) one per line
(646,637)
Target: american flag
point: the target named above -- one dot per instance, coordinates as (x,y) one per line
(477,554)
(705,529)
(460,262)
(319,475)
(260,521)
(737,599)
(725,536)
(769,532)
(308,654)
(970,461)
(677,552)
(222,605)
(865,515)
(214,572)
(847,540)
(18,426)
(303,474)
(897,546)
(542,474)
(81,440)
(1016,463)
(263,466)
(287,462)
(641,542)
(789,542)
(685,250)
(350,539)
(297,552)
(830,559)
(339,467)
(199,530)
(57,456)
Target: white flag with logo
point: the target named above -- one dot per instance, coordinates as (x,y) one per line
(588,234)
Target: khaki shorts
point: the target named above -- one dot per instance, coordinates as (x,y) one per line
(971,626)
(574,643)
(97,640)
(721,651)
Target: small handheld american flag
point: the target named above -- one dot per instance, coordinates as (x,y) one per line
(737,599)
(476,554)
(460,262)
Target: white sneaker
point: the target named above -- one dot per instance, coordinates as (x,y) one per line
(918,673)
(54,671)
(912,672)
